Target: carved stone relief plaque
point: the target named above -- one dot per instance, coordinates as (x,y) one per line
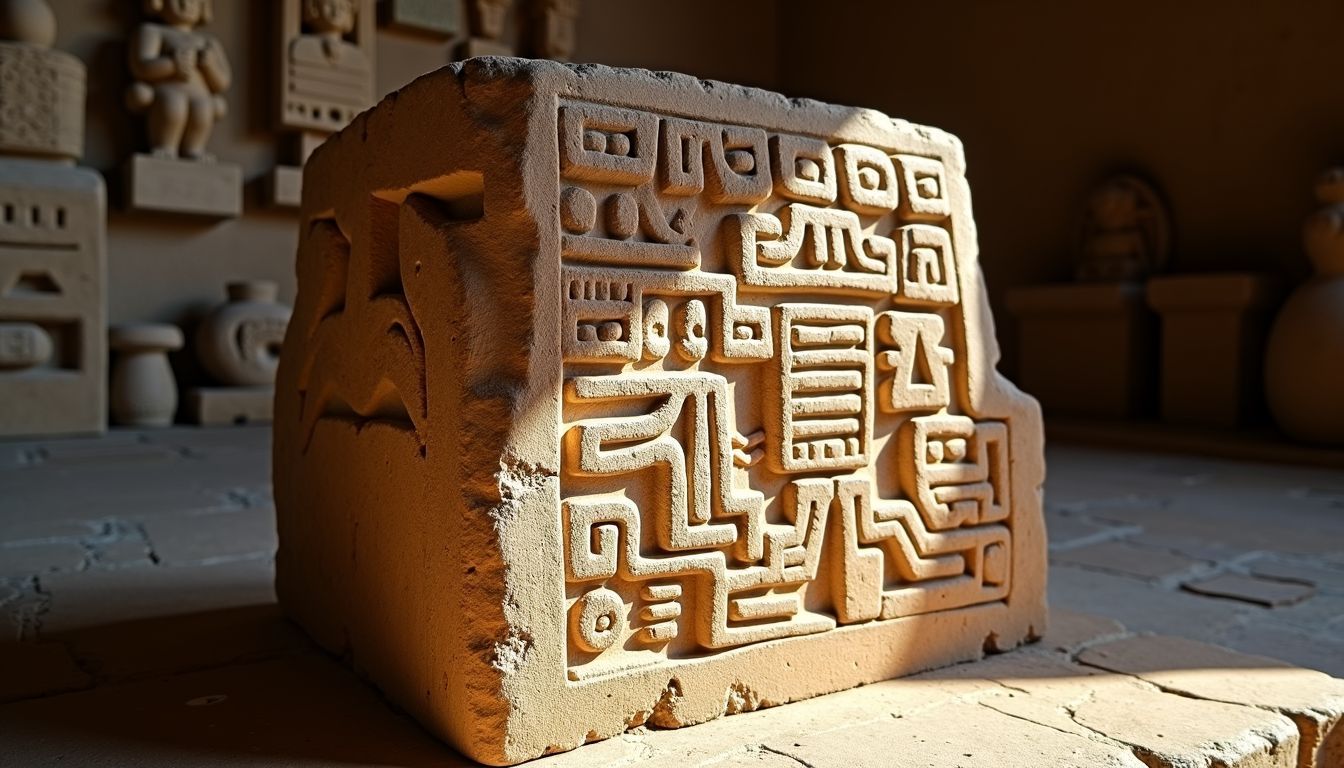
(642,399)
(327,73)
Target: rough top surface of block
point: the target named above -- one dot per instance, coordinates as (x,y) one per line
(616,397)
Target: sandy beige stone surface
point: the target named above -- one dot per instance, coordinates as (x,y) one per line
(653,399)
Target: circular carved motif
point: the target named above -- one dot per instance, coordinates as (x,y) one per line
(600,618)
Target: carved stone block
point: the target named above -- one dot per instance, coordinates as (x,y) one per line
(184,186)
(1214,329)
(603,404)
(41,102)
(53,343)
(1087,350)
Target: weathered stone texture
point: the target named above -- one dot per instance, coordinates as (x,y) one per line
(613,398)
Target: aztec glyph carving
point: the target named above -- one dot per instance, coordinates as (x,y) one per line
(709,407)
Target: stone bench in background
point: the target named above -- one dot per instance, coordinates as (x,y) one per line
(614,397)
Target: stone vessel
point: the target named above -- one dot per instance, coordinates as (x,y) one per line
(143,390)
(613,397)
(239,342)
(1304,361)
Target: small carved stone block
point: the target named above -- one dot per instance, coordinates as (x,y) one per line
(613,398)
(327,75)
(53,337)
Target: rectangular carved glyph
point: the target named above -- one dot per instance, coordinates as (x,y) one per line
(615,398)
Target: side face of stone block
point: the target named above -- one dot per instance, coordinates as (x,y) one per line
(614,398)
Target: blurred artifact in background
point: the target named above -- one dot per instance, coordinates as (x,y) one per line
(326,78)
(180,75)
(1304,364)
(53,338)
(143,390)
(238,344)
(1090,348)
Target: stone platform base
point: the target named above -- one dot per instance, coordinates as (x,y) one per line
(284,187)
(1088,696)
(221,406)
(184,186)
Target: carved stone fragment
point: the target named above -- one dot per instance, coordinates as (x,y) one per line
(635,398)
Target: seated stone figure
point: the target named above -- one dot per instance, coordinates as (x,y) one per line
(180,75)
(1125,233)
(330,77)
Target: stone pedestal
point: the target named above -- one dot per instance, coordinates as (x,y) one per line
(284,187)
(221,406)
(53,365)
(1086,349)
(481,46)
(437,19)
(643,400)
(170,185)
(1213,343)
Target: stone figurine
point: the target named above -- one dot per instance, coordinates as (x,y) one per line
(181,75)
(1126,233)
(1304,361)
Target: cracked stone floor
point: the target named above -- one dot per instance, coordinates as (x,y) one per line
(140,628)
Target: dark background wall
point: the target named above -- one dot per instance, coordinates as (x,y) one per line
(1233,109)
